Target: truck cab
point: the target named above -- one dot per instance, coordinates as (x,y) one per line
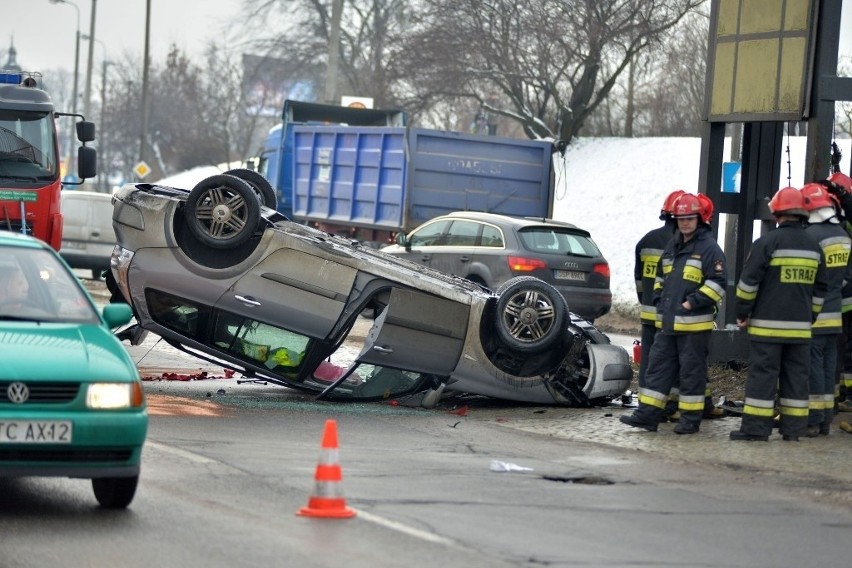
(29,158)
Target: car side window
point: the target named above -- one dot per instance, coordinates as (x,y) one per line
(433,234)
(491,237)
(175,313)
(462,234)
(278,349)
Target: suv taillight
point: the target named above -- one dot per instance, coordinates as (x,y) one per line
(523,264)
(602,269)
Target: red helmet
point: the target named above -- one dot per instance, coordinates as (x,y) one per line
(668,204)
(689,204)
(815,196)
(788,201)
(842,180)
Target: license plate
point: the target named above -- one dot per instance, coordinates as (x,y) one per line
(569,275)
(72,245)
(35,432)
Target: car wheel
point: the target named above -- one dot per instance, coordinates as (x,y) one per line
(260,184)
(115,492)
(531,314)
(222,211)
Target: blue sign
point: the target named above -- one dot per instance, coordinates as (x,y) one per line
(731,177)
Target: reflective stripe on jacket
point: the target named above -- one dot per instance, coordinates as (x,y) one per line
(782,285)
(835,244)
(649,249)
(695,271)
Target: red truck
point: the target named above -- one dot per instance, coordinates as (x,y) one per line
(30,180)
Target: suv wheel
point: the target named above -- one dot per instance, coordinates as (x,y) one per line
(261,186)
(222,211)
(531,314)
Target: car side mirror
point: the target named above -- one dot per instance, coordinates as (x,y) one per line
(85,131)
(402,240)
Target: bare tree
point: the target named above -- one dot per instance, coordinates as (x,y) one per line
(547,63)
(370,48)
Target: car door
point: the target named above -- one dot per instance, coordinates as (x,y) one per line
(293,289)
(453,254)
(417,332)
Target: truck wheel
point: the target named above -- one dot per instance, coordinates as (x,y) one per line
(259,183)
(222,211)
(531,314)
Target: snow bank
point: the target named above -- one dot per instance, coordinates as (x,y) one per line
(614,187)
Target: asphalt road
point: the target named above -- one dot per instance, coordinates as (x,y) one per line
(228,464)
(224,476)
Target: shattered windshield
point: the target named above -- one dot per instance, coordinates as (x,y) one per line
(27,148)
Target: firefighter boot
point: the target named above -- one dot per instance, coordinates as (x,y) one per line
(740,436)
(689,423)
(638,422)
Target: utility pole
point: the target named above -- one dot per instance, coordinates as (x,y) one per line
(88,100)
(333,53)
(146,63)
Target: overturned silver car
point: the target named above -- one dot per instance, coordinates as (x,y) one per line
(217,273)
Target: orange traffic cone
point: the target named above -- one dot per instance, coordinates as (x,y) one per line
(327,499)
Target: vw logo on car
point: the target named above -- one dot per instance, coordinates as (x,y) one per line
(17,393)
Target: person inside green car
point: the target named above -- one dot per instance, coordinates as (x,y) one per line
(14,288)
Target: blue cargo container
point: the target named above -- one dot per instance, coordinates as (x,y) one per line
(276,159)
(372,182)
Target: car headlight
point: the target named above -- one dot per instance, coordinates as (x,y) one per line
(120,264)
(114,395)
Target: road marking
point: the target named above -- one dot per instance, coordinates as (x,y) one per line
(399,527)
(197,458)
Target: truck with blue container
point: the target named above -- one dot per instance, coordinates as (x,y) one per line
(366,174)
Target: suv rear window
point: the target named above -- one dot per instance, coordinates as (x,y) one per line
(555,241)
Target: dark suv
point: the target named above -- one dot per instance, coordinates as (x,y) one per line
(491,249)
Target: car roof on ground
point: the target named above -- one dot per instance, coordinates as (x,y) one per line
(517,222)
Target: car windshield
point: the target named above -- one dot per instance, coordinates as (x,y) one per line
(558,241)
(27,148)
(281,353)
(36,286)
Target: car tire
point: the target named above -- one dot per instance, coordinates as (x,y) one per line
(531,315)
(115,492)
(222,211)
(260,184)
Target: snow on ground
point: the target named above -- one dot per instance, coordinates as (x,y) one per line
(614,188)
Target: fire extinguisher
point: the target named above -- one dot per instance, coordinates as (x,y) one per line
(637,351)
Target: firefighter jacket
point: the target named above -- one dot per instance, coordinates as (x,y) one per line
(693,271)
(835,244)
(649,249)
(782,285)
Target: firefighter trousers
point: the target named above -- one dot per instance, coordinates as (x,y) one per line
(675,357)
(822,379)
(782,369)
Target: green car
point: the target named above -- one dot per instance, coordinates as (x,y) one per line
(71,400)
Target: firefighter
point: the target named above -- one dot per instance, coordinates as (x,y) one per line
(649,249)
(779,295)
(840,185)
(689,284)
(824,226)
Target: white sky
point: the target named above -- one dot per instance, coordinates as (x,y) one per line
(44,33)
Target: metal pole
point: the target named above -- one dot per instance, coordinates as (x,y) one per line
(102,176)
(333,53)
(69,160)
(144,131)
(87,103)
